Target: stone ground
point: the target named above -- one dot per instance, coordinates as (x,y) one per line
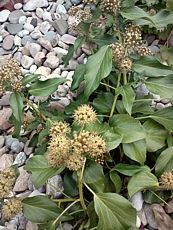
(35,32)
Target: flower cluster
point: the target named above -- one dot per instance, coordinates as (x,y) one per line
(166,180)
(7,179)
(11,208)
(10,74)
(110,5)
(132,36)
(72,152)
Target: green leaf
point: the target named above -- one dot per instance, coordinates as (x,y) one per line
(112,139)
(164,117)
(29,78)
(130,170)
(169,5)
(78,76)
(116,180)
(128,95)
(41,170)
(141,181)
(98,66)
(114,211)
(40,209)
(16,103)
(136,151)
(155,135)
(69,184)
(150,66)
(161,86)
(103,103)
(45,88)
(164,162)
(128,127)
(105,39)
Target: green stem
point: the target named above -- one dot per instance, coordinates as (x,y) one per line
(65,210)
(161,199)
(80,184)
(125,78)
(107,85)
(116,96)
(140,118)
(89,188)
(63,200)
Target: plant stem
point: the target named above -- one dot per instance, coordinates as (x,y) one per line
(80,184)
(161,199)
(107,85)
(116,96)
(140,118)
(65,210)
(125,78)
(63,200)
(89,189)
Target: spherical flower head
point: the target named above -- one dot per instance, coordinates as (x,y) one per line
(75,162)
(125,64)
(142,51)
(118,51)
(59,128)
(10,70)
(85,114)
(17,86)
(110,5)
(90,1)
(58,150)
(133,36)
(7,179)
(11,208)
(166,180)
(80,143)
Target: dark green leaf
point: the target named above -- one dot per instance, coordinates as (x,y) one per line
(29,78)
(45,88)
(103,103)
(112,138)
(164,162)
(70,185)
(114,211)
(41,170)
(130,170)
(116,180)
(136,151)
(155,135)
(151,67)
(78,76)
(98,66)
(105,39)
(16,103)
(141,181)
(128,127)
(128,97)
(40,209)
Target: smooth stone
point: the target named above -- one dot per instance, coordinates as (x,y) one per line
(64,101)
(75,2)
(34,22)
(52,62)
(23,33)
(50,35)
(165,101)
(31,226)
(18,6)
(17,41)
(36,34)
(15,15)
(1,38)
(28,27)
(39,58)
(5,114)
(8,42)
(6,161)
(26,61)
(60,52)
(47,16)
(34,49)
(4,14)
(160,106)
(33,68)
(9,140)
(61,9)
(14,28)
(28,150)
(68,39)
(2,141)
(69,78)
(45,43)
(17,146)
(65,226)
(4,101)
(150,216)
(63,45)
(39,12)
(137,201)
(3,150)
(62,90)
(25,50)
(80,59)
(54,186)
(18,56)
(21,184)
(20,159)
(22,19)
(42,70)
(44,27)
(68,4)
(34,4)
(61,26)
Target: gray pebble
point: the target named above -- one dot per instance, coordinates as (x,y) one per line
(17,146)
(15,15)
(9,140)
(2,140)
(54,186)
(14,28)
(61,26)
(20,159)
(34,22)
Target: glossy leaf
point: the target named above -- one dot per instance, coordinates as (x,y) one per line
(128,97)
(103,103)
(164,162)
(16,103)
(151,67)
(141,181)
(128,127)
(114,211)
(112,139)
(45,88)
(29,78)
(130,170)
(98,66)
(41,170)
(40,209)
(116,180)
(136,151)
(78,76)
(155,135)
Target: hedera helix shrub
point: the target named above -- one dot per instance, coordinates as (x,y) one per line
(110,142)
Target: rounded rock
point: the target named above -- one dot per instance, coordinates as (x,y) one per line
(23,33)
(17,146)
(39,58)
(61,9)
(15,15)
(18,6)
(52,62)
(39,12)
(17,41)
(33,5)
(4,14)
(2,140)
(28,27)
(8,42)
(47,16)
(44,27)
(20,159)
(34,48)
(26,61)
(22,19)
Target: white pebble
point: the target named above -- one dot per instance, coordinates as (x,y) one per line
(45,27)
(17,41)
(22,33)
(61,9)
(18,6)
(39,12)
(28,27)
(33,68)
(1,38)
(47,16)
(22,19)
